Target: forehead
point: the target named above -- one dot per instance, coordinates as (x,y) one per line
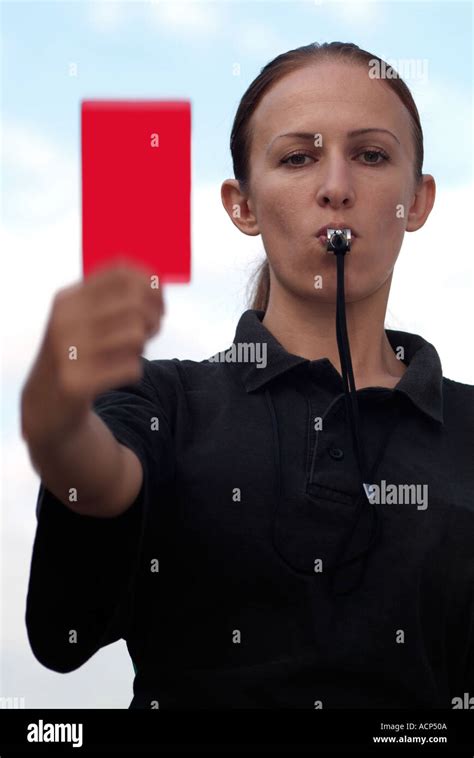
(330,95)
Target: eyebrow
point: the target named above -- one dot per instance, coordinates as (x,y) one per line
(353,133)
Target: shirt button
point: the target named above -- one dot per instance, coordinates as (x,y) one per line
(336,453)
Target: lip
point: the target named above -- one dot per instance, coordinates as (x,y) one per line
(322,232)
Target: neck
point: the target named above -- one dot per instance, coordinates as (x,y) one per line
(308,329)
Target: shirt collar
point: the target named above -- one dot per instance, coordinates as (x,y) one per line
(422,382)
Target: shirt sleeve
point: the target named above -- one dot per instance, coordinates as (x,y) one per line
(81,584)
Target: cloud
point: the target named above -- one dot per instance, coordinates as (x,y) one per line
(256,39)
(448,137)
(106,15)
(433,281)
(26,150)
(187,17)
(43,179)
(353,12)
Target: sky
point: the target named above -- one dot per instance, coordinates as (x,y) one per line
(209,53)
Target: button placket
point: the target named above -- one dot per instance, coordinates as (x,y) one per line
(334,413)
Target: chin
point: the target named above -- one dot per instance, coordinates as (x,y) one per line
(353,290)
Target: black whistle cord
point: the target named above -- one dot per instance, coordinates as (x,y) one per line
(353,415)
(346,366)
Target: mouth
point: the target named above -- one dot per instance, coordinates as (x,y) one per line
(322,231)
(321,234)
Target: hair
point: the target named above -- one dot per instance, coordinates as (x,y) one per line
(276,69)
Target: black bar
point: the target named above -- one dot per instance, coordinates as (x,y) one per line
(335,730)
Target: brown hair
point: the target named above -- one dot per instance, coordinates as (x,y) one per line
(271,73)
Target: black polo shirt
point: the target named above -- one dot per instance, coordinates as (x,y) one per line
(218,575)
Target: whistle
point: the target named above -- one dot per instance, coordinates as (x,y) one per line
(338,240)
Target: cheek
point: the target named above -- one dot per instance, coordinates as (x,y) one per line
(389,216)
(279,210)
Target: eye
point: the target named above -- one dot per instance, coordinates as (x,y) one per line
(377,153)
(295,155)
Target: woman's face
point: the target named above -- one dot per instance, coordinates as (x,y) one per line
(343,178)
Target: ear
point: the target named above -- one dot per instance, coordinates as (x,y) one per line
(422,203)
(239,207)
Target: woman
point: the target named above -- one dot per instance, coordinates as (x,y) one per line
(238,558)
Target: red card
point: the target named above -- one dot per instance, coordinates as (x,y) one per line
(136,185)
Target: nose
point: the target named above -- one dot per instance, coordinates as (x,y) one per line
(335,183)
